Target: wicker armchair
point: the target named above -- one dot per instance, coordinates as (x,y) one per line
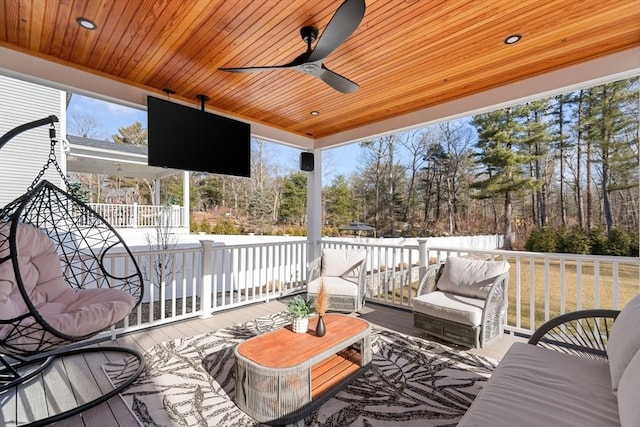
(463,301)
(343,273)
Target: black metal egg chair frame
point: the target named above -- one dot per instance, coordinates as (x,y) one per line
(58,287)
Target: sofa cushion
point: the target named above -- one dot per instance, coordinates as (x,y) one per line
(624,340)
(472,278)
(535,386)
(628,392)
(342,263)
(455,308)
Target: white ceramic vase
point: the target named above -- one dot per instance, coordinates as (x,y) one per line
(300,325)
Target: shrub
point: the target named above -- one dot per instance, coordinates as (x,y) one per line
(618,243)
(576,241)
(598,241)
(634,245)
(544,240)
(226,226)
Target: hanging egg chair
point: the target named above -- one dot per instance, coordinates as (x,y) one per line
(58,286)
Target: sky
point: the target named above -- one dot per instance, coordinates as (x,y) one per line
(110,117)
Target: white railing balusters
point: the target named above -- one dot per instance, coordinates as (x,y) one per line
(217,277)
(563,287)
(614,288)
(518,292)
(579,284)
(547,289)
(532,292)
(596,283)
(208,264)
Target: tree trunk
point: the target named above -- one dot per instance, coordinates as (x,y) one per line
(589,185)
(508,233)
(578,189)
(563,205)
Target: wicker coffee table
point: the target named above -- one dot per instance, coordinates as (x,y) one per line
(282,376)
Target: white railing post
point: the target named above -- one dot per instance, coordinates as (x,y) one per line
(423,258)
(207,278)
(135,215)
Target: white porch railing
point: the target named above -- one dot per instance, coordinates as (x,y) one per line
(199,281)
(139,216)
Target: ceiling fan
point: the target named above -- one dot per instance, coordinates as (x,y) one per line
(342,24)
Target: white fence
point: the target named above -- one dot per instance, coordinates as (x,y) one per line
(138,216)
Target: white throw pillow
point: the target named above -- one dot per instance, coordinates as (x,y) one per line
(471,278)
(624,340)
(629,394)
(341,262)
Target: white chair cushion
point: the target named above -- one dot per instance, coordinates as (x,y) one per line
(451,307)
(471,278)
(341,262)
(335,286)
(629,392)
(624,340)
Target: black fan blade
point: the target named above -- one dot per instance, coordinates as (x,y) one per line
(342,24)
(336,81)
(252,69)
(301,59)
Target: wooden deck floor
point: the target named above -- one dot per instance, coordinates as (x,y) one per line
(77,378)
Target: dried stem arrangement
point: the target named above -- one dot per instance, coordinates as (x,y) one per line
(322,300)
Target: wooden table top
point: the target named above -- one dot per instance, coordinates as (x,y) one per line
(284,348)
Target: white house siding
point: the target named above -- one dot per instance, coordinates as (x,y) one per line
(24,156)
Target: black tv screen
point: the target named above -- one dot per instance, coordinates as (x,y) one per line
(186,138)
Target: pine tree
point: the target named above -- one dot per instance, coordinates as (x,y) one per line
(294,199)
(134,134)
(500,134)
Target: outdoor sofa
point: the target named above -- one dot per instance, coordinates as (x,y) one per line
(579,369)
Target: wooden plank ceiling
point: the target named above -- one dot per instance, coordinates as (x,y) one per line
(405,55)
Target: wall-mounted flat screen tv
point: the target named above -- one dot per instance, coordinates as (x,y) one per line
(186,138)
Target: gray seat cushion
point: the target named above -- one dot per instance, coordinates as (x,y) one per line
(629,392)
(624,340)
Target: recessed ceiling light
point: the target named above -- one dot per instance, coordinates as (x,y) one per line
(315,113)
(513,38)
(86,23)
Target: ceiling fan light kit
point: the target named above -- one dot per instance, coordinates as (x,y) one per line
(343,23)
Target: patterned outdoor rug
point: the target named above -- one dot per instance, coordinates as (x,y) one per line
(412,382)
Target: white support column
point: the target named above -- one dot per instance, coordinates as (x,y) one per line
(314,206)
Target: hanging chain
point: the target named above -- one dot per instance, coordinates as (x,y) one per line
(52,160)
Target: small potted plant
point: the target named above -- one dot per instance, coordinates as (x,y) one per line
(299,309)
